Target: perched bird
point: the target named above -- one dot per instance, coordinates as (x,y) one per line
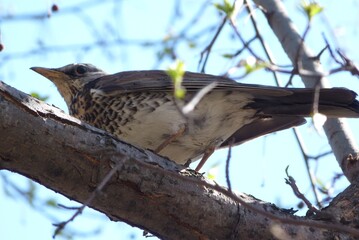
(139,107)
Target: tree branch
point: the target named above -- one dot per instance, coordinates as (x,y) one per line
(337,130)
(70,157)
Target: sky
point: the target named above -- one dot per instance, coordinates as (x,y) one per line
(257,168)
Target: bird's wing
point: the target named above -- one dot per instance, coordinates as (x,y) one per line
(260,127)
(334,102)
(155,80)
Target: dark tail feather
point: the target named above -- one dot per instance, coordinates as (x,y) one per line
(334,102)
(282,112)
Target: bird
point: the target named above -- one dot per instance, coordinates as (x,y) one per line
(139,107)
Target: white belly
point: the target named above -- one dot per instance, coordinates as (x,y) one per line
(208,125)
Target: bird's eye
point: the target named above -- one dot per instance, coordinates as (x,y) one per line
(80,70)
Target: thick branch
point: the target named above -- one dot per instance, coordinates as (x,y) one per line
(70,157)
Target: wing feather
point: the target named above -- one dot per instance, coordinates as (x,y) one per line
(334,102)
(155,80)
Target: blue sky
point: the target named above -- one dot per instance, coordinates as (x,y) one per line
(257,167)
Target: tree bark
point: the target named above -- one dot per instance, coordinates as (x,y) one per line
(70,157)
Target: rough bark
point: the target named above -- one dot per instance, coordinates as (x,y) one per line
(60,152)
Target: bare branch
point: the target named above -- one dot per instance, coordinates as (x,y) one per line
(337,131)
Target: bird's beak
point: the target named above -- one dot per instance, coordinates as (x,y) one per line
(50,73)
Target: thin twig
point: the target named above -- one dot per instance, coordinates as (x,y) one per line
(307,167)
(229,157)
(291,182)
(208,49)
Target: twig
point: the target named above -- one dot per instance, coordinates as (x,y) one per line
(208,49)
(306,161)
(291,182)
(229,156)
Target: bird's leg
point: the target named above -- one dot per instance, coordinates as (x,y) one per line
(171,138)
(205,157)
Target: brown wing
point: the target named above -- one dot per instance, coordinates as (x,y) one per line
(155,80)
(334,102)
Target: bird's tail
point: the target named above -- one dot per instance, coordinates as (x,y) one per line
(333,102)
(280,111)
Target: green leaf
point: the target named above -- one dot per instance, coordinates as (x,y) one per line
(192,44)
(251,64)
(38,96)
(226,7)
(31,192)
(176,73)
(213,172)
(51,203)
(311,9)
(228,55)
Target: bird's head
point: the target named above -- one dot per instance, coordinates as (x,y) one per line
(71,78)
